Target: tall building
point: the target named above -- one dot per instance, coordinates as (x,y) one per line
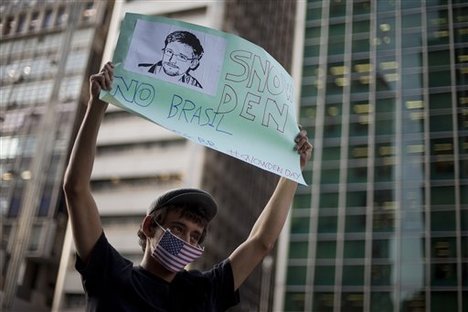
(46,49)
(383,225)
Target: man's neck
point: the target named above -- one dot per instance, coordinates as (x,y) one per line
(154,267)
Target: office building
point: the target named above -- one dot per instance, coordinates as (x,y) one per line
(383,225)
(46,49)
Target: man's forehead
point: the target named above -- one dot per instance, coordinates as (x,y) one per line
(180,47)
(178,217)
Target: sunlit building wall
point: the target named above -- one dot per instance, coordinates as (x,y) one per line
(46,49)
(383,225)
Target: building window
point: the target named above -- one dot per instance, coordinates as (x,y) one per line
(298,250)
(294,301)
(352,302)
(355,224)
(327,224)
(442,195)
(299,225)
(443,221)
(382,301)
(381,275)
(329,200)
(326,250)
(296,275)
(323,302)
(354,249)
(324,275)
(444,274)
(444,301)
(353,275)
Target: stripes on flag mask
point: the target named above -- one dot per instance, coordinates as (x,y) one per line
(174,253)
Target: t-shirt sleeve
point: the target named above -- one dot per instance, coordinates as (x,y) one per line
(104,263)
(222,280)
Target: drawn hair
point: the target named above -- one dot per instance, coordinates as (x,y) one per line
(186,38)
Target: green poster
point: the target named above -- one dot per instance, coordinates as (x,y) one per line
(213,88)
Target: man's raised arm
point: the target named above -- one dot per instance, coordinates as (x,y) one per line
(82,209)
(269,224)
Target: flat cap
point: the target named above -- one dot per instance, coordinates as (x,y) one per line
(202,201)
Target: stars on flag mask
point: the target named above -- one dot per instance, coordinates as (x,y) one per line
(174,253)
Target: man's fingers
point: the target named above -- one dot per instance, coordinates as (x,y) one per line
(108,72)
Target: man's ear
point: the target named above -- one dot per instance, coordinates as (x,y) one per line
(194,64)
(148,226)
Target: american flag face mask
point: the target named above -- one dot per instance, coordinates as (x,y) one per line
(174,253)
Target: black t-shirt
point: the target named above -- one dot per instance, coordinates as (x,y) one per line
(112,283)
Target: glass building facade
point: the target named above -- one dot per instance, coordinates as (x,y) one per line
(383,225)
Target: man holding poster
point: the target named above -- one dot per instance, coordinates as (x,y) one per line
(171,235)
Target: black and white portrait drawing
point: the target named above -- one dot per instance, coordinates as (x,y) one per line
(181,56)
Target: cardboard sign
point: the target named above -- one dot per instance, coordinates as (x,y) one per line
(213,88)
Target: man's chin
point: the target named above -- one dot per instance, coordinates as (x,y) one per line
(170,72)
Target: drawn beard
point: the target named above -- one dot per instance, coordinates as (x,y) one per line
(171,69)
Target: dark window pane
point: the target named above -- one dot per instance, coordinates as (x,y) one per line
(381,248)
(331,153)
(439,78)
(299,225)
(384,222)
(337,8)
(312,32)
(381,275)
(324,275)
(442,248)
(411,20)
(444,274)
(357,175)
(444,301)
(443,221)
(294,301)
(362,7)
(352,302)
(330,176)
(382,301)
(360,45)
(355,224)
(314,13)
(323,302)
(442,195)
(301,201)
(298,250)
(356,199)
(439,58)
(385,127)
(353,275)
(326,250)
(311,50)
(361,26)
(354,249)
(296,275)
(464,220)
(440,100)
(327,224)
(328,200)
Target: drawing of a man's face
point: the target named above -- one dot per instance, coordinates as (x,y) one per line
(178,58)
